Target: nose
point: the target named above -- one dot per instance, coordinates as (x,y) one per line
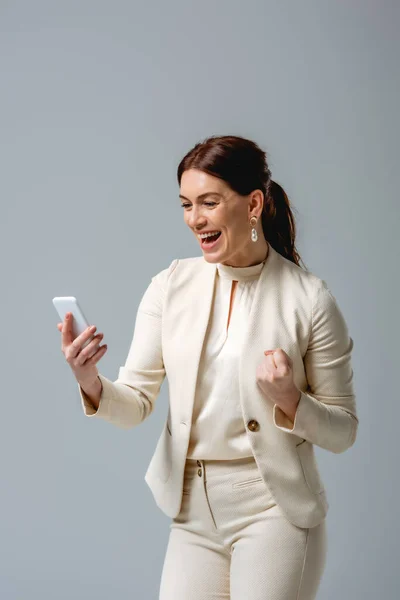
(195,220)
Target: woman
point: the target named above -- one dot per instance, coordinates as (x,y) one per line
(258,360)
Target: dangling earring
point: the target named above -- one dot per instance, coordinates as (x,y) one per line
(254,235)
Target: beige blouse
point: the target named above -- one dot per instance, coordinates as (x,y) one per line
(218,430)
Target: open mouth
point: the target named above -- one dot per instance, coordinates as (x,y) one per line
(210,240)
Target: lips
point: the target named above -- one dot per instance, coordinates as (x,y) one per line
(206,244)
(212,237)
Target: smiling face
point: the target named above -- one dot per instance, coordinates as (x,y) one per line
(210,205)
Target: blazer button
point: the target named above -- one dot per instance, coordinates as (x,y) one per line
(253,425)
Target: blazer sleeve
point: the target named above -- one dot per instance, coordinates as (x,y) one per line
(326,414)
(130,399)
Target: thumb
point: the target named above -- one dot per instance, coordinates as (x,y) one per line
(282,359)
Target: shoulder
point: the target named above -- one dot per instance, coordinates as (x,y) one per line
(177,265)
(309,289)
(293,277)
(309,293)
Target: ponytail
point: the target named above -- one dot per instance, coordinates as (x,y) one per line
(278,223)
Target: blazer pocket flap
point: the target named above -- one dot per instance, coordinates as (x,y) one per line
(305,452)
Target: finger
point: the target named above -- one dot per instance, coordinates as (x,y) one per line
(281,357)
(276,351)
(269,360)
(85,335)
(282,361)
(78,342)
(96,357)
(89,350)
(66,337)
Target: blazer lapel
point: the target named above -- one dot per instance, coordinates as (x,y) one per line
(261,334)
(189,310)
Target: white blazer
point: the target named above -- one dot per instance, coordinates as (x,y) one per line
(293,310)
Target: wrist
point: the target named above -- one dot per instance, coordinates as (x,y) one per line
(290,403)
(92,388)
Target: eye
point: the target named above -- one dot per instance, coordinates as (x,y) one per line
(206,203)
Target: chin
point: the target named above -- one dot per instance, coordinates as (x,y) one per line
(214,257)
(211,259)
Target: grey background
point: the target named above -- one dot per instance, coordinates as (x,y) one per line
(99,101)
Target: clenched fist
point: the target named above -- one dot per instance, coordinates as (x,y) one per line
(274,377)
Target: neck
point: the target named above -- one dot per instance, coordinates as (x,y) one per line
(259,255)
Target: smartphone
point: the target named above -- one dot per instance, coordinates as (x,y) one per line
(65,304)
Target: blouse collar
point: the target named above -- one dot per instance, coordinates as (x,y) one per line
(240,273)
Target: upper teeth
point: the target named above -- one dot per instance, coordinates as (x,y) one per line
(204,235)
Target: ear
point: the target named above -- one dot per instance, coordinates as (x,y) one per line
(256,203)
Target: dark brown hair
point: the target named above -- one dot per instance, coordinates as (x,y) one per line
(243,166)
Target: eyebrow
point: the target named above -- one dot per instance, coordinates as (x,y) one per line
(202,196)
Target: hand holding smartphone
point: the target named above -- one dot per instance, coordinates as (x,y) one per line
(79,343)
(65,304)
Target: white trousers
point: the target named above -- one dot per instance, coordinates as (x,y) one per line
(232,541)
